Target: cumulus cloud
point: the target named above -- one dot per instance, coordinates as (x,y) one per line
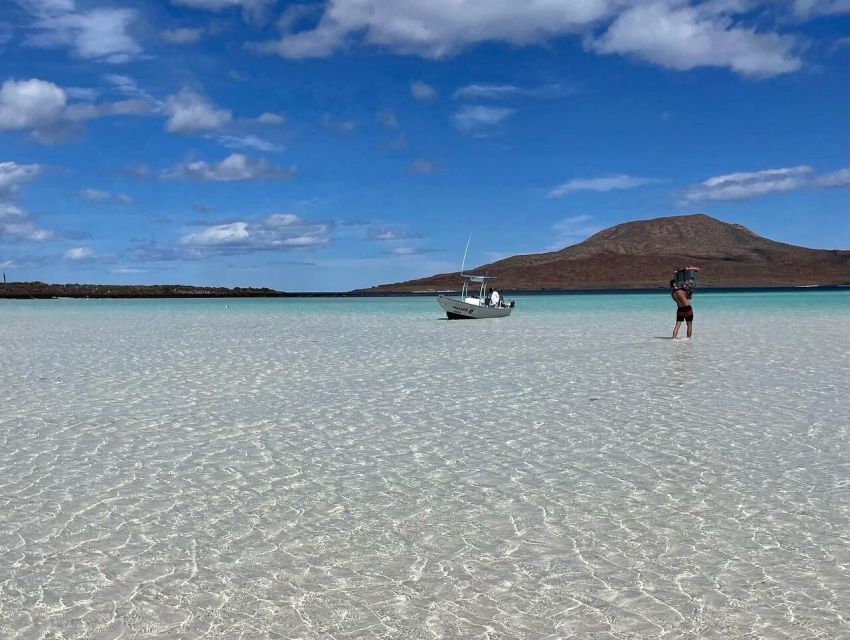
(78,254)
(674,33)
(745,185)
(278,232)
(43,108)
(234,167)
(475,119)
(13,176)
(31,104)
(95,195)
(422,92)
(684,37)
(182,35)
(606,183)
(189,112)
(17,224)
(98,34)
(270,118)
(437,28)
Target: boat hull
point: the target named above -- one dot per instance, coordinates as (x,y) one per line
(459,310)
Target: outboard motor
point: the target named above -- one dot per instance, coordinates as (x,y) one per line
(686,277)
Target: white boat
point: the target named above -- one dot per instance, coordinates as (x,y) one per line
(470,307)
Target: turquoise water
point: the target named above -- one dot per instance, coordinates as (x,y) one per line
(363,468)
(783,301)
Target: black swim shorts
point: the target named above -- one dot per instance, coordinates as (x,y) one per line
(685,314)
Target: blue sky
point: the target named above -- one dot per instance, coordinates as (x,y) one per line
(335,145)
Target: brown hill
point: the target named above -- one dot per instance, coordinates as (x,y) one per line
(644,254)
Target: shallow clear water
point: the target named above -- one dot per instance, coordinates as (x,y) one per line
(344,468)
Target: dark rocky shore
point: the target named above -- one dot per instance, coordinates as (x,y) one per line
(41,290)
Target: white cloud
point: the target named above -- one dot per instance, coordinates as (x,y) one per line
(281,232)
(606,183)
(248,142)
(812,8)
(182,36)
(94,195)
(78,253)
(683,37)
(16,224)
(680,34)
(438,28)
(409,251)
(422,91)
(389,234)
(234,167)
(319,43)
(99,34)
(739,186)
(270,118)
(43,108)
(471,119)
(30,104)
(744,185)
(13,176)
(189,112)
(125,85)
(252,10)
(128,270)
(499,91)
(218,234)
(840,178)
(485,91)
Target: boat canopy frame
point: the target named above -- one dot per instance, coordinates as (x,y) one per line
(469,277)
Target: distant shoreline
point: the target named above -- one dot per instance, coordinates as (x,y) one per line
(41,291)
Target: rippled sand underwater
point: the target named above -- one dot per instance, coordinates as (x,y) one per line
(364,469)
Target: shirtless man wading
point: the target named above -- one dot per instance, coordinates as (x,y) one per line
(684,310)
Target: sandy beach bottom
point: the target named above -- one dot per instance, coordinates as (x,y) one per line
(366,469)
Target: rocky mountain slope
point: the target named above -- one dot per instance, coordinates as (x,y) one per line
(644,254)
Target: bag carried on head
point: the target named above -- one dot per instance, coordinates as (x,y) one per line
(686,277)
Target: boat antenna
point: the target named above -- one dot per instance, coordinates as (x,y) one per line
(463,263)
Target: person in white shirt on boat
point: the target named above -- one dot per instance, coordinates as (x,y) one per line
(494,298)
